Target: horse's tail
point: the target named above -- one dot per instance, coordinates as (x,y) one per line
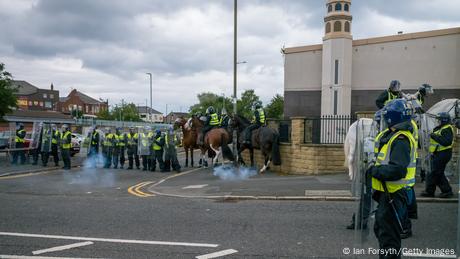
(276,156)
(226,152)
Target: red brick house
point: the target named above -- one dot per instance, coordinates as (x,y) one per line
(79,101)
(32,98)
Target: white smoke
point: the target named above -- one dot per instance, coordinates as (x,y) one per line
(230,173)
(92,176)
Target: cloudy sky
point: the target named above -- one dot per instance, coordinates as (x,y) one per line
(104,48)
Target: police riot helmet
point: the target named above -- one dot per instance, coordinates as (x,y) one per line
(397,111)
(53,126)
(257,105)
(65,126)
(210,110)
(422,90)
(443,117)
(395,86)
(158,131)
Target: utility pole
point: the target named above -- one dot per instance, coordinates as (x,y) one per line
(235,139)
(150,110)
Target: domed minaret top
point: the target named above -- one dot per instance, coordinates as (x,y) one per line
(337,21)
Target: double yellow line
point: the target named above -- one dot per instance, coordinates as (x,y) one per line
(136,190)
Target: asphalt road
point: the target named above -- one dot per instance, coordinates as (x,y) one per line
(112,214)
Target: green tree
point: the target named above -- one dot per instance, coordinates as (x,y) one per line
(274,110)
(210,99)
(125,112)
(8,100)
(104,114)
(77,113)
(246,103)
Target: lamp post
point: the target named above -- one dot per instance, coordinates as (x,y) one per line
(150,110)
(235,139)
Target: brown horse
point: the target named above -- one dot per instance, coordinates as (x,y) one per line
(266,139)
(216,141)
(188,140)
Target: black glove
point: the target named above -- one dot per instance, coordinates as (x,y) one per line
(422,176)
(376,174)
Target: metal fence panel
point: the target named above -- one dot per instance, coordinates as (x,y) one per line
(283,127)
(327,129)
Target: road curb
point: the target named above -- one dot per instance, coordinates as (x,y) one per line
(43,169)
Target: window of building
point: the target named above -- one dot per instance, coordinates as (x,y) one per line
(338,7)
(48,105)
(329,8)
(42,104)
(51,96)
(335,102)
(30,103)
(35,103)
(346,7)
(336,74)
(347,26)
(337,26)
(328,27)
(87,108)
(45,96)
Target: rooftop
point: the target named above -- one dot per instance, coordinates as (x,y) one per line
(146,109)
(31,116)
(24,88)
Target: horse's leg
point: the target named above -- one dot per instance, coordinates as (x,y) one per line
(266,163)
(217,151)
(191,156)
(186,156)
(251,154)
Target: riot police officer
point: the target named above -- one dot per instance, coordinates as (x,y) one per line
(66,144)
(107,147)
(158,143)
(258,120)
(119,149)
(19,141)
(132,142)
(393,92)
(212,121)
(93,146)
(56,139)
(171,141)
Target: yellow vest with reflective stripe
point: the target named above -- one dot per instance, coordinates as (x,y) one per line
(64,139)
(377,141)
(214,120)
(167,139)
(121,140)
(155,145)
(415,132)
(391,97)
(108,140)
(131,138)
(435,146)
(19,139)
(261,115)
(145,139)
(94,136)
(55,137)
(383,158)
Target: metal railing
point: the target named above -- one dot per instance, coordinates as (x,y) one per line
(327,129)
(122,124)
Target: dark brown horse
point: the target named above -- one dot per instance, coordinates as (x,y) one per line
(188,140)
(215,142)
(266,139)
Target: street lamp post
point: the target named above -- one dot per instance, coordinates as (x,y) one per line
(235,139)
(150,110)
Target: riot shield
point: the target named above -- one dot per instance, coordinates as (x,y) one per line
(458,197)
(424,157)
(366,131)
(47,136)
(11,135)
(143,145)
(35,137)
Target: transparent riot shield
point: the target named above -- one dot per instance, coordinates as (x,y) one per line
(424,157)
(11,135)
(35,137)
(366,130)
(144,142)
(47,136)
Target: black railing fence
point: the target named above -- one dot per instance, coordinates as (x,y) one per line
(327,129)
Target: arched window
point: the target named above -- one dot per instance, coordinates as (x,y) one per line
(346,8)
(338,7)
(329,8)
(347,26)
(328,27)
(337,26)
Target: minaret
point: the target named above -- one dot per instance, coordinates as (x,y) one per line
(337,60)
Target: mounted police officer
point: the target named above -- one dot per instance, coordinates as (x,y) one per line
(393,92)
(212,121)
(132,139)
(258,120)
(55,140)
(158,143)
(19,141)
(66,144)
(441,142)
(393,171)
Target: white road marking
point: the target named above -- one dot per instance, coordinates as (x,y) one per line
(217,254)
(38,257)
(60,248)
(199,186)
(429,255)
(110,240)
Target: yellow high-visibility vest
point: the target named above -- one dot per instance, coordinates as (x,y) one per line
(108,140)
(155,145)
(64,139)
(383,158)
(214,120)
(391,97)
(19,139)
(55,137)
(120,140)
(435,146)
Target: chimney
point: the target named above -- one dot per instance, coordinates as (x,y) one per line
(400,32)
(52,86)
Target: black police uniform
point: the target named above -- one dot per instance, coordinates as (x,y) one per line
(439,160)
(19,144)
(94,148)
(385,96)
(386,227)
